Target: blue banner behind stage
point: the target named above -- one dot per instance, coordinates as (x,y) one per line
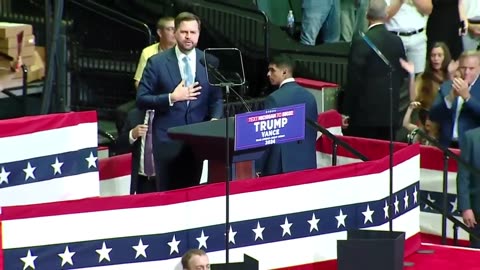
(272,126)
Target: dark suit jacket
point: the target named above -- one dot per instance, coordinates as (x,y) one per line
(135,117)
(160,77)
(468,184)
(292,156)
(469,114)
(366,97)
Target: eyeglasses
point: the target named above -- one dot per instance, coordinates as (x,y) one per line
(170,28)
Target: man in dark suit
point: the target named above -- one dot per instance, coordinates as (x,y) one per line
(292,156)
(132,138)
(174,84)
(457,106)
(367,93)
(468,184)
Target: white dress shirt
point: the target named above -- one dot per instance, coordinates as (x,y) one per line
(407,19)
(472,8)
(286,81)
(192,60)
(373,25)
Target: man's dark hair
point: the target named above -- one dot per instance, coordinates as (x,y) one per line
(186,17)
(284,61)
(189,254)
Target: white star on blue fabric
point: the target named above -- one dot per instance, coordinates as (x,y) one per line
(386,209)
(429,198)
(313,223)
(174,245)
(231,235)
(258,231)
(396,205)
(91,161)
(368,215)
(415,195)
(29,171)
(341,219)
(454,205)
(140,249)
(202,240)
(286,227)
(66,256)
(405,200)
(4,176)
(29,260)
(57,167)
(104,253)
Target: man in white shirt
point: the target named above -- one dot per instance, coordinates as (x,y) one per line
(471,40)
(407,19)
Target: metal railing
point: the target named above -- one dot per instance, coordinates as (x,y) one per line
(447,155)
(116,16)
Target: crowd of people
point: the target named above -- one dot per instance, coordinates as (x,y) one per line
(438,66)
(440,69)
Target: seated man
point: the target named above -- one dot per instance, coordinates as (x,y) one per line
(292,156)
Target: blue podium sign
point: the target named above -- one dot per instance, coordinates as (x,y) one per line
(273,126)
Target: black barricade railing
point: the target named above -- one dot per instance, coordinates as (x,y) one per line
(242,30)
(447,154)
(106,135)
(102,65)
(117,17)
(336,142)
(456,223)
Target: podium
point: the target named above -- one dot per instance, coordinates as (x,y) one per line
(248,263)
(208,141)
(373,250)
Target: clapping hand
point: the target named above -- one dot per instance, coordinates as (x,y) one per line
(414,105)
(408,66)
(453,66)
(460,87)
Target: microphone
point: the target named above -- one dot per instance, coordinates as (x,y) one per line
(376,50)
(219,76)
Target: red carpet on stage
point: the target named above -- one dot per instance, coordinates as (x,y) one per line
(445,258)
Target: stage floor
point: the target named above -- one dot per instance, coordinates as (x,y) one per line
(445,257)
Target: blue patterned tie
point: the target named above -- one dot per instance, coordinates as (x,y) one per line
(148,166)
(187,72)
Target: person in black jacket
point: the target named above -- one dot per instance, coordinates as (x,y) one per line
(367,92)
(132,138)
(297,155)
